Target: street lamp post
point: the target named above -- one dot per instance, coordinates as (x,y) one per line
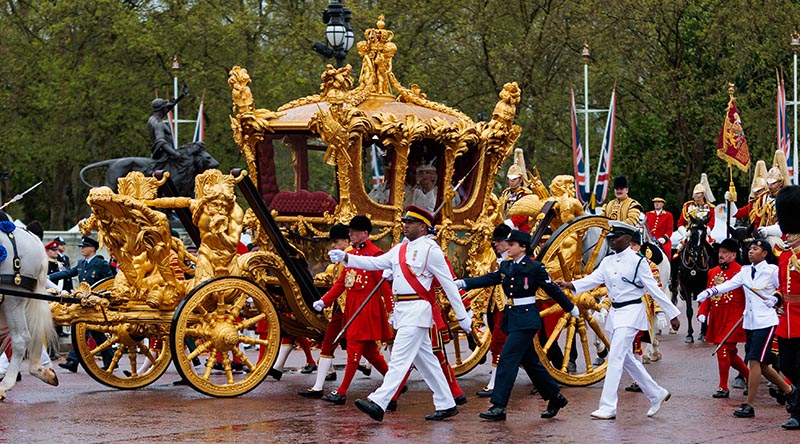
(339,35)
(795,46)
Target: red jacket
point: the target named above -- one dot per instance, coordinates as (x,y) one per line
(661,226)
(372,323)
(789,284)
(723,310)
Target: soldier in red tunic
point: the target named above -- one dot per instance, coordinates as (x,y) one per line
(787,208)
(661,224)
(372,323)
(723,311)
(340,239)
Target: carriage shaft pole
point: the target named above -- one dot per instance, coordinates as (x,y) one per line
(739,322)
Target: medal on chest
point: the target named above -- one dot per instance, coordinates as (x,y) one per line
(525,282)
(350,278)
(718,279)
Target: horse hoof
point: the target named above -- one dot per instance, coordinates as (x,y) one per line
(49,376)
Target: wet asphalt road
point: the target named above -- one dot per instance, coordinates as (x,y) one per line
(82,411)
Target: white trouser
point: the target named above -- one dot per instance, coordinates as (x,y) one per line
(46,362)
(620,357)
(412,345)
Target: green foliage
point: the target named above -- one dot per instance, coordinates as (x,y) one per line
(78,76)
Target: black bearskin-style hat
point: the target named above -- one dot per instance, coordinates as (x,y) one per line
(360,223)
(787,208)
(339,231)
(501,232)
(620,182)
(730,244)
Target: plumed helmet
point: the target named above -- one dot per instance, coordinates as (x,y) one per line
(759,185)
(699,188)
(787,208)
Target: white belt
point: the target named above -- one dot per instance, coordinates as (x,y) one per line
(521,301)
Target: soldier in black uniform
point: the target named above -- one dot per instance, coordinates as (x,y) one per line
(63,259)
(91,269)
(521,277)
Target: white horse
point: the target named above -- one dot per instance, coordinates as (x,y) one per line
(651,351)
(25,324)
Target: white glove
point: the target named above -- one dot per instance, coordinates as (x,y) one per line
(703,295)
(575,312)
(770,301)
(336,256)
(701,318)
(600,316)
(64,293)
(388,275)
(769,230)
(466,323)
(728,195)
(460,284)
(661,321)
(318,305)
(510,224)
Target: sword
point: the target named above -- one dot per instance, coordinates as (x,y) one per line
(359,309)
(739,322)
(19,196)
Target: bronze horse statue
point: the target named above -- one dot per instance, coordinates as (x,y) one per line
(193,160)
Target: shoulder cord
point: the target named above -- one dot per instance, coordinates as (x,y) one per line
(635,274)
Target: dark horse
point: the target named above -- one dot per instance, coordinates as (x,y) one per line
(696,258)
(193,160)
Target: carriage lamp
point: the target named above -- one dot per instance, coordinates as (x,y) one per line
(338,33)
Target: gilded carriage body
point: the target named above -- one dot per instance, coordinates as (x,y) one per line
(310,164)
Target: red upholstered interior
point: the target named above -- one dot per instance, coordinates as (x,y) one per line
(302,203)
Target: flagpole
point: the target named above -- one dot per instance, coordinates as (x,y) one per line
(587,169)
(175,68)
(795,44)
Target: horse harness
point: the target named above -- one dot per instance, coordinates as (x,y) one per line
(16,278)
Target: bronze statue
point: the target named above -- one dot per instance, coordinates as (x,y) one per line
(183,163)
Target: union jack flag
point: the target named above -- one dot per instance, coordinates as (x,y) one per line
(603,177)
(582,185)
(784,138)
(377,167)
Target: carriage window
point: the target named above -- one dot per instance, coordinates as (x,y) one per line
(293,178)
(284,173)
(377,172)
(424,181)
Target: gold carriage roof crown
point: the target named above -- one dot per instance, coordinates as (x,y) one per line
(378,89)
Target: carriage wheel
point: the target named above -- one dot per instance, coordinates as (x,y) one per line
(132,345)
(585,234)
(466,351)
(214,318)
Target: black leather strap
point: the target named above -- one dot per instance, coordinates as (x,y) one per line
(622,304)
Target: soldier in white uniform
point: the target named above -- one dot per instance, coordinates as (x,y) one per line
(627,276)
(414,314)
(760,283)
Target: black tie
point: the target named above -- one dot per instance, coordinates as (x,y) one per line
(752,272)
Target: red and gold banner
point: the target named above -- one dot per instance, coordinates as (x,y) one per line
(732,144)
